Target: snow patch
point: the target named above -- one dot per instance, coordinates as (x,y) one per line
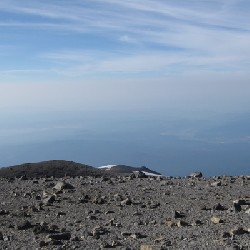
(107,167)
(150,174)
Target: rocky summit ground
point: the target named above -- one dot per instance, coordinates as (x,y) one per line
(126,212)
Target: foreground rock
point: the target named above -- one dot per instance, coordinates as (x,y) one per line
(120,212)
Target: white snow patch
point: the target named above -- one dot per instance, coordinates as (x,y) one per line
(107,167)
(150,174)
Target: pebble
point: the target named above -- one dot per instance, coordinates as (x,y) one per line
(238,231)
(60,236)
(61,185)
(23,225)
(215,184)
(127,201)
(216,220)
(196,175)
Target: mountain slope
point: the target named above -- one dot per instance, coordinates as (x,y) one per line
(56,168)
(61,168)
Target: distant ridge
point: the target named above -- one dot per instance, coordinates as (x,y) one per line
(61,168)
(123,169)
(56,168)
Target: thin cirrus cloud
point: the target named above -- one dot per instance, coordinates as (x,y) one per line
(108,36)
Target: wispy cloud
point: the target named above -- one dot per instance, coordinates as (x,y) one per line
(210,34)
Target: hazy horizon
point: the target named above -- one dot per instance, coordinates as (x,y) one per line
(173,146)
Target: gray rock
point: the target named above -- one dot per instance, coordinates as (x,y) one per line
(236,207)
(196,175)
(151,247)
(127,201)
(139,174)
(60,236)
(216,220)
(240,202)
(247,211)
(137,236)
(181,223)
(49,200)
(219,207)
(215,184)
(197,223)
(23,225)
(99,200)
(61,185)
(4,212)
(178,214)
(129,226)
(238,231)
(6,238)
(99,230)
(43,243)
(126,234)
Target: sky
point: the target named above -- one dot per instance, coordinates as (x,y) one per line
(128,49)
(182,58)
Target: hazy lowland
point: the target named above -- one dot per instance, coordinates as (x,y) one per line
(170,144)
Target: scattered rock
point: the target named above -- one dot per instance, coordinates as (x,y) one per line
(43,243)
(105,245)
(219,207)
(60,236)
(238,231)
(247,211)
(84,199)
(61,185)
(151,247)
(126,234)
(162,242)
(197,223)
(196,175)
(139,174)
(216,220)
(240,202)
(23,225)
(127,201)
(4,212)
(44,228)
(49,200)
(178,214)
(99,200)
(153,205)
(126,214)
(181,223)
(215,184)
(137,236)
(99,230)
(236,207)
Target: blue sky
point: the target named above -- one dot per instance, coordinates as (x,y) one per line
(59,49)
(102,46)
(188,59)
(89,38)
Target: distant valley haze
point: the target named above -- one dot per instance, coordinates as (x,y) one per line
(161,84)
(172,146)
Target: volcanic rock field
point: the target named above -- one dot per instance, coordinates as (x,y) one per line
(125,212)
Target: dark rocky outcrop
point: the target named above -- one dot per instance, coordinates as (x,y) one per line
(53,168)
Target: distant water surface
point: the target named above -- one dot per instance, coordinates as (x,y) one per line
(167,143)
